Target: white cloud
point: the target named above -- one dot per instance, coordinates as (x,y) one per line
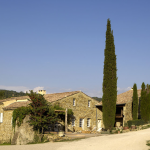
(122,90)
(36,89)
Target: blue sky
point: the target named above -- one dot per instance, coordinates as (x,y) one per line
(59,45)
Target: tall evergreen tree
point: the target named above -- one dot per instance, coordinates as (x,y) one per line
(143,103)
(135,102)
(109,80)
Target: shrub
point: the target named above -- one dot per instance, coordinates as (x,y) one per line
(135,122)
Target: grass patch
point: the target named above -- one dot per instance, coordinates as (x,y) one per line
(70,140)
(6,143)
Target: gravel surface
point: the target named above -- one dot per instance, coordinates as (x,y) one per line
(135,140)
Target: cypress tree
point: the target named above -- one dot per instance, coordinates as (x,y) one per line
(135,102)
(109,80)
(148,101)
(144,105)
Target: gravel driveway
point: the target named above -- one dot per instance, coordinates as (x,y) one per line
(135,140)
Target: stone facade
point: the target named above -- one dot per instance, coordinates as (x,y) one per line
(81,110)
(127,111)
(6,126)
(84,108)
(23,134)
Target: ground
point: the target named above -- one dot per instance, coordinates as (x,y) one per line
(135,140)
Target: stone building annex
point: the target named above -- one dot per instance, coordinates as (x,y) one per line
(87,111)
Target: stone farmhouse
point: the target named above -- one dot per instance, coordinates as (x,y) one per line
(87,111)
(124,107)
(84,107)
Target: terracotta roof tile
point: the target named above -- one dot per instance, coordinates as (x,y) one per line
(14,98)
(49,97)
(57,96)
(125,97)
(17,104)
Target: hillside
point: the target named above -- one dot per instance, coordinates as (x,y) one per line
(7,94)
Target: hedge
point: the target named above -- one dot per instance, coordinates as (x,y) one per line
(135,122)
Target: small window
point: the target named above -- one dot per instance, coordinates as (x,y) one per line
(74,102)
(88,122)
(1,117)
(89,102)
(73,122)
(81,123)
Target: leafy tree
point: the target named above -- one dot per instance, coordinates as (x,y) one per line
(109,80)
(135,102)
(41,113)
(2,94)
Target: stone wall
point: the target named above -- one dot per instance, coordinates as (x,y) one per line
(81,109)
(6,126)
(23,134)
(127,109)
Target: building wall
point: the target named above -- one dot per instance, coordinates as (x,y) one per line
(81,109)
(127,111)
(6,126)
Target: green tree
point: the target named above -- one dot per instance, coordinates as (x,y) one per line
(144,104)
(2,94)
(135,102)
(41,113)
(109,80)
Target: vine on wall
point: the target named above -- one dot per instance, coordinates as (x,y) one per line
(19,114)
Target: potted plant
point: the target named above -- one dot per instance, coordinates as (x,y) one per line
(133,126)
(125,126)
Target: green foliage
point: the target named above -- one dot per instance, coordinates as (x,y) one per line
(126,124)
(97,98)
(109,80)
(7,94)
(2,94)
(19,114)
(145,102)
(135,122)
(42,113)
(135,102)
(61,115)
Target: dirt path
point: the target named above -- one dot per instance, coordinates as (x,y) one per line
(135,140)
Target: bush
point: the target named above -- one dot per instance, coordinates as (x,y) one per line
(135,122)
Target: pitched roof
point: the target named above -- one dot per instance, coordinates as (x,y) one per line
(14,98)
(49,97)
(57,96)
(124,97)
(17,104)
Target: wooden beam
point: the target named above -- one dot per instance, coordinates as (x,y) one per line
(66,127)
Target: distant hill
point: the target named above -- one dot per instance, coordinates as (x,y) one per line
(7,94)
(97,98)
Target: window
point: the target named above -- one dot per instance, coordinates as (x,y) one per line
(89,103)
(73,122)
(1,117)
(81,123)
(74,102)
(88,122)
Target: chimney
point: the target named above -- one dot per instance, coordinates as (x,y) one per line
(43,92)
